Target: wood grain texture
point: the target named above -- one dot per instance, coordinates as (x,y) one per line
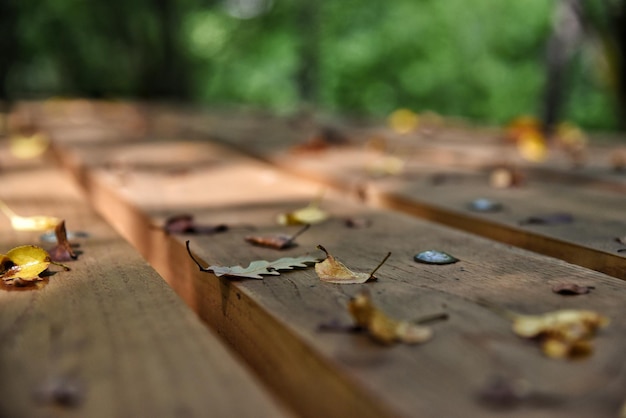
(108,338)
(273,323)
(444,174)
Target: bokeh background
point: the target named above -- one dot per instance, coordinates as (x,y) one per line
(489,61)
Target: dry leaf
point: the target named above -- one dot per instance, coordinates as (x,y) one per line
(257,268)
(381,327)
(327,137)
(311,214)
(548,219)
(357,223)
(563,334)
(505,177)
(63,251)
(25,263)
(26,147)
(387,165)
(403,121)
(185,224)
(29,223)
(332,270)
(278,242)
(571,289)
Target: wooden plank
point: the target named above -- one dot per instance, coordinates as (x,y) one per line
(108,338)
(273,323)
(437,184)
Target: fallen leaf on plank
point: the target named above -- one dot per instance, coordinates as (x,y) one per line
(185,224)
(563,334)
(382,328)
(332,270)
(558,218)
(25,263)
(257,269)
(29,223)
(311,214)
(278,242)
(571,289)
(63,251)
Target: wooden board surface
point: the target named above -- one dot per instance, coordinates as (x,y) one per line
(108,338)
(273,323)
(441,177)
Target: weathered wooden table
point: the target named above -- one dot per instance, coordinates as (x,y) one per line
(110,338)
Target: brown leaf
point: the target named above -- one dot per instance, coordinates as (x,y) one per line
(381,327)
(278,242)
(563,334)
(332,270)
(357,223)
(63,250)
(571,289)
(326,138)
(185,224)
(557,218)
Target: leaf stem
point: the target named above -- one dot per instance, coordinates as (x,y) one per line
(297,234)
(441,316)
(194,259)
(63,266)
(498,310)
(379,265)
(320,247)
(7,210)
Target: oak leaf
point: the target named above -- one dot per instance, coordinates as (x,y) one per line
(332,270)
(257,269)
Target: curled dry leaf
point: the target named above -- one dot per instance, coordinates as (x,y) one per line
(332,270)
(185,224)
(63,250)
(256,269)
(571,289)
(29,223)
(311,214)
(558,218)
(327,137)
(562,334)
(381,327)
(278,242)
(505,177)
(357,223)
(25,263)
(26,147)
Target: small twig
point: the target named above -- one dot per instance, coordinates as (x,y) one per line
(379,265)
(441,316)
(297,234)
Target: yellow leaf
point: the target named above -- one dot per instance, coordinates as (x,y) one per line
(381,327)
(25,147)
(332,270)
(29,223)
(25,262)
(403,121)
(311,214)
(532,146)
(563,334)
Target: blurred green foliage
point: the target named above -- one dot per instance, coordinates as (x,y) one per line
(484,61)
